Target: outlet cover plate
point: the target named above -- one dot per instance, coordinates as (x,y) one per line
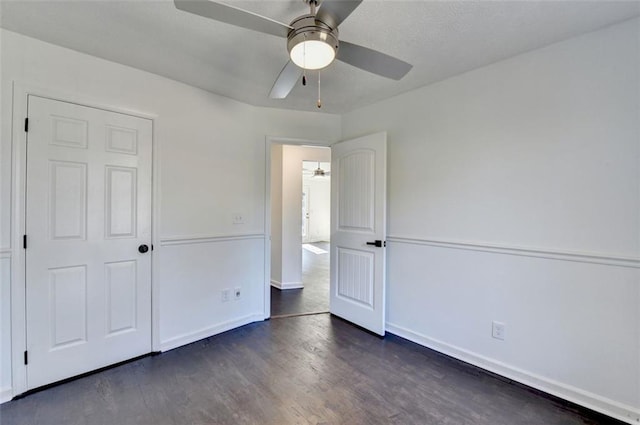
(225,295)
(498,329)
(238,218)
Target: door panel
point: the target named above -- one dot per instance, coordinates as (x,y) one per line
(355,191)
(120,202)
(88,210)
(358,208)
(355,276)
(120,290)
(68,306)
(67,200)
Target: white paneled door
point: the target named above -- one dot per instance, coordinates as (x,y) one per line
(358,231)
(88,221)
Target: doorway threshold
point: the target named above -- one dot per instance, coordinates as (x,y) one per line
(284,316)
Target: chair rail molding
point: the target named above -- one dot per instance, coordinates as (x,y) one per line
(196,239)
(551,254)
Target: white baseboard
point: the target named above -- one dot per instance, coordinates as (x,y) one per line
(5,394)
(287,285)
(584,398)
(190,337)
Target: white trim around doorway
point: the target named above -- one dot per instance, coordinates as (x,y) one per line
(270,141)
(20,93)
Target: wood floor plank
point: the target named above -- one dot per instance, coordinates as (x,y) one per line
(300,370)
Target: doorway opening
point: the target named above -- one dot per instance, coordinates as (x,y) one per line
(300,229)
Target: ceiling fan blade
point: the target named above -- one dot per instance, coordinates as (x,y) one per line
(333,12)
(234,16)
(372,60)
(287,79)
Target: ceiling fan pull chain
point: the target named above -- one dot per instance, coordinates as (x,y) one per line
(319,104)
(304,64)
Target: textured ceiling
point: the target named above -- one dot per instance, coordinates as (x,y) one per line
(440,38)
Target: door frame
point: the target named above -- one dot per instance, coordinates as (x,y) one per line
(306,204)
(20,93)
(269,142)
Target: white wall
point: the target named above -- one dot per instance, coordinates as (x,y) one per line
(514,195)
(5,326)
(319,207)
(288,244)
(5,244)
(211,164)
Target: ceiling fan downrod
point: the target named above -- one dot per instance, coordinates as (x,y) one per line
(313,4)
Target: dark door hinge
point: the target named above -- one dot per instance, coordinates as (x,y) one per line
(26,125)
(26,357)
(24,241)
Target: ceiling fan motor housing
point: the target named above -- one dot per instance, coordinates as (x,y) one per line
(307,28)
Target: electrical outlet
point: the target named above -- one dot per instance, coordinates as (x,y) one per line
(225,295)
(237,293)
(238,218)
(498,330)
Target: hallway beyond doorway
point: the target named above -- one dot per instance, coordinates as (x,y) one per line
(314,297)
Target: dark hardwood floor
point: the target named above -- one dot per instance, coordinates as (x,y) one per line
(298,370)
(314,297)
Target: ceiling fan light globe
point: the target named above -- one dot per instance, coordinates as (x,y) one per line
(312,54)
(311,43)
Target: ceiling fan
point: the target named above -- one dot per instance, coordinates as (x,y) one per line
(312,39)
(314,173)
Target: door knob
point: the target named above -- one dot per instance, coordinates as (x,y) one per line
(378,244)
(143,248)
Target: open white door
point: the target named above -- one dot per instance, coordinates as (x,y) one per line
(88,225)
(358,231)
